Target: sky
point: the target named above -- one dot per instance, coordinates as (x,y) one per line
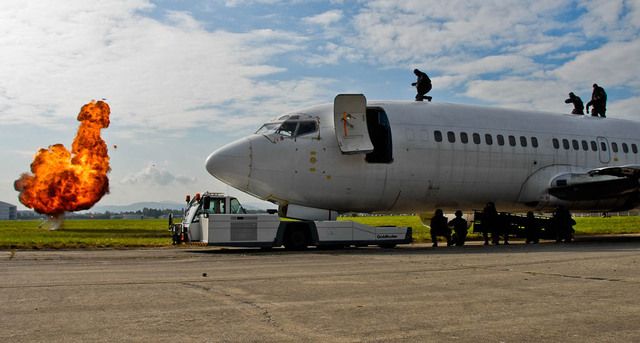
(183,78)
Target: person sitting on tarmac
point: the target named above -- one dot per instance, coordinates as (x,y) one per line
(578,107)
(439,228)
(460,227)
(423,85)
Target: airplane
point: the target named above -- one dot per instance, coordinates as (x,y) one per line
(408,156)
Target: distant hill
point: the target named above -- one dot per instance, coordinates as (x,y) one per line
(138,206)
(162,205)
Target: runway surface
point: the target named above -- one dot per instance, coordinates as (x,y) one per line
(582,292)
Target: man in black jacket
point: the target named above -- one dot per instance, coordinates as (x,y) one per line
(578,107)
(423,85)
(599,101)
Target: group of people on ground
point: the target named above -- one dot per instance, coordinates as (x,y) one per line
(441,227)
(598,101)
(598,97)
(497,226)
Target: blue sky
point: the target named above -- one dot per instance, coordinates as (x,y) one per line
(185,77)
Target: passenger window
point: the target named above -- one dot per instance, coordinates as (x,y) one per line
(534,142)
(488,139)
(556,144)
(500,139)
(594,146)
(603,146)
(476,138)
(614,146)
(523,141)
(464,138)
(512,140)
(437,135)
(585,145)
(634,148)
(565,144)
(306,127)
(625,148)
(451,137)
(575,144)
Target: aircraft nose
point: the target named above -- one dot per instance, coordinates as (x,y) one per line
(231,164)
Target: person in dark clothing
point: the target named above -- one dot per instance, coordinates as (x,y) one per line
(531,229)
(598,101)
(460,228)
(423,85)
(563,224)
(490,224)
(439,228)
(578,107)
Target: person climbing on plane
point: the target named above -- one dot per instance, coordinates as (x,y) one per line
(423,85)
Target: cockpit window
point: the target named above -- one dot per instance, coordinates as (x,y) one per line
(290,126)
(305,127)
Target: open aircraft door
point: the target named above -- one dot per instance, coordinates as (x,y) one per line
(350,119)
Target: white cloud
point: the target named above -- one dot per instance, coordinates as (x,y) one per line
(406,32)
(156,175)
(493,64)
(626,108)
(155,74)
(324,19)
(612,64)
(236,3)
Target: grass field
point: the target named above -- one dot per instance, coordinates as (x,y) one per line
(118,233)
(114,233)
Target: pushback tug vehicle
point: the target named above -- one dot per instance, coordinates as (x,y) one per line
(220,220)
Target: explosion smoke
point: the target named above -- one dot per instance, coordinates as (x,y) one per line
(64,181)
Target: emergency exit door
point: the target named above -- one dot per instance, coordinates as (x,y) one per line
(603,150)
(350,119)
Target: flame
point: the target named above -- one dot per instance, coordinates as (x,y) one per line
(64,181)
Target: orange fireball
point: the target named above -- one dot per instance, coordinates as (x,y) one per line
(64,181)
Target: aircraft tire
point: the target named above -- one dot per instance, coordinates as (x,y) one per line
(296,239)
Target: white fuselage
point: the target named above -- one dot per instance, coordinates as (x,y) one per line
(426,172)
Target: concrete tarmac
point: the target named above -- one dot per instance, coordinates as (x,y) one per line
(580,292)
